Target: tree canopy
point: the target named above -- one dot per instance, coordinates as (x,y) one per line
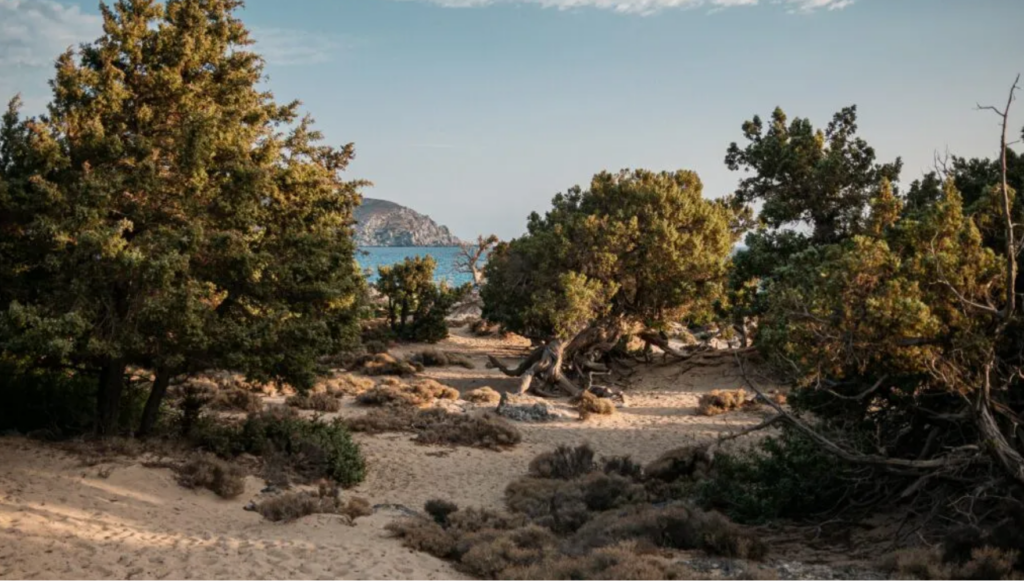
(168,213)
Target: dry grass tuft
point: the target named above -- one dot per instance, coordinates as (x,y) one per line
(383,364)
(484,395)
(325,500)
(721,401)
(321,402)
(418,393)
(588,404)
(347,384)
(224,479)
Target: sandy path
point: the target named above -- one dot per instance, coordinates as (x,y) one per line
(60,519)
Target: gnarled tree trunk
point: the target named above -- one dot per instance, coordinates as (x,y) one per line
(108,395)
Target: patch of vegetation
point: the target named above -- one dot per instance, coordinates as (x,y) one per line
(226,480)
(348,384)
(438,358)
(482,395)
(721,401)
(383,364)
(483,328)
(417,307)
(439,427)
(574,518)
(417,393)
(588,404)
(289,506)
(321,402)
(309,448)
(982,563)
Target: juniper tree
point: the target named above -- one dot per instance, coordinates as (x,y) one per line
(168,213)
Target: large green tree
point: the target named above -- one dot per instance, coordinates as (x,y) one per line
(167,213)
(633,252)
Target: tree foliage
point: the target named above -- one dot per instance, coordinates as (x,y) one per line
(637,247)
(417,307)
(167,213)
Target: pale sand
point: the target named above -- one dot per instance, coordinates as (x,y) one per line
(60,519)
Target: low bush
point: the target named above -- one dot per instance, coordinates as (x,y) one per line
(482,395)
(290,506)
(438,427)
(588,404)
(379,421)
(417,393)
(564,462)
(482,328)
(236,399)
(309,448)
(383,364)
(224,479)
(347,384)
(321,402)
(721,401)
(982,563)
(439,510)
(438,358)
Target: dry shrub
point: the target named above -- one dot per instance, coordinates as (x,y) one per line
(426,536)
(439,427)
(588,404)
(383,364)
(224,479)
(347,384)
(556,504)
(681,463)
(321,402)
(325,500)
(984,563)
(379,421)
(438,358)
(565,462)
(721,401)
(236,399)
(418,393)
(439,510)
(619,562)
(623,466)
(485,395)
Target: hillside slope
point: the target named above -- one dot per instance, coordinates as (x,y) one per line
(384,223)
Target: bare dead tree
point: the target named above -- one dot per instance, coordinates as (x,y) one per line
(472,254)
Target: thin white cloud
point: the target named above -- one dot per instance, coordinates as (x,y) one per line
(287,46)
(33,33)
(649,6)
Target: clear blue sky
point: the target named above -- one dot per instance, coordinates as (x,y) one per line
(478,111)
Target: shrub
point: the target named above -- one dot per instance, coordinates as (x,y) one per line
(983,563)
(588,404)
(424,535)
(688,462)
(417,393)
(382,364)
(224,479)
(441,428)
(565,463)
(236,399)
(484,395)
(321,402)
(379,421)
(326,499)
(347,384)
(721,401)
(623,466)
(437,358)
(439,510)
(482,328)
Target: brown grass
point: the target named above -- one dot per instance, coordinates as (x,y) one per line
(484,395)
(588,404)
(721,401)
(290,506)
(417,393)
(383,364)
(224,479)
(321,402)
(347,384)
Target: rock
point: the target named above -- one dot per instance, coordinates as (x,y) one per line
(384,223)
(523,408)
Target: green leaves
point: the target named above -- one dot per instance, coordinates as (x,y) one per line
(637,245)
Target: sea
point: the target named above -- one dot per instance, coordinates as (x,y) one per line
(369,258)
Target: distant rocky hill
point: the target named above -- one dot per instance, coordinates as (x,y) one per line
(384,223)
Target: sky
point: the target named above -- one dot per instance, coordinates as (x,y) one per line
(477,112)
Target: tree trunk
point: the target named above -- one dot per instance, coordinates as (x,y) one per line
(108,396)
(156,397)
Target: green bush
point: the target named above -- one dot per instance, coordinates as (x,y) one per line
(787,476)
(311,448)
(416,306)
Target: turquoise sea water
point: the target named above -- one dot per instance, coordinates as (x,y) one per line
(372,257)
